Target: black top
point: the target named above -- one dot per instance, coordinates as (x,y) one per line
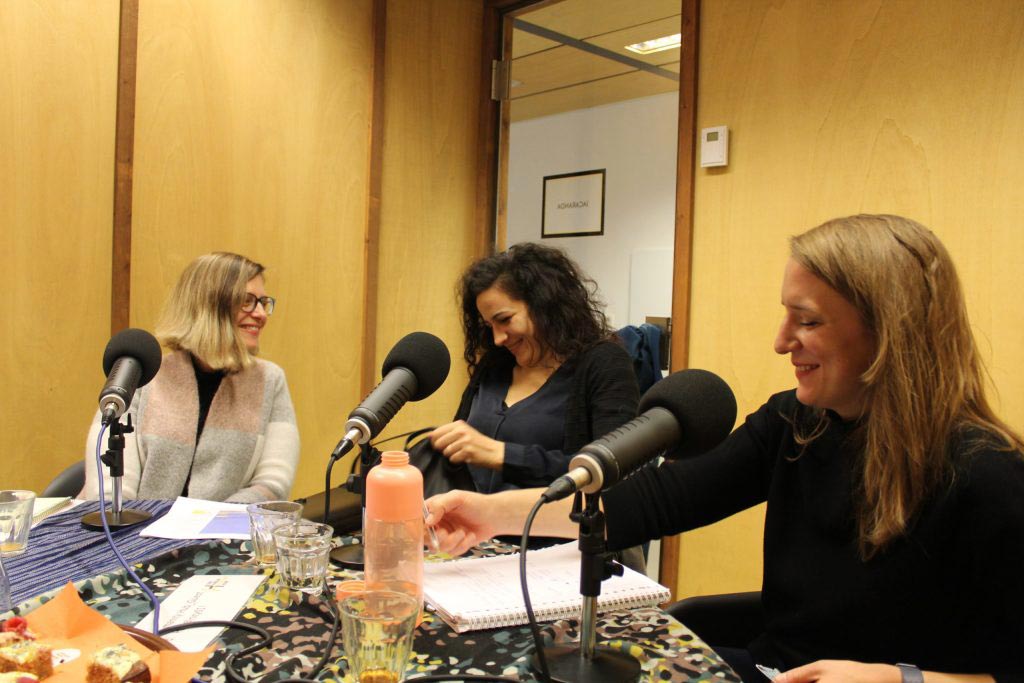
(949,596)
(531,429)
(207,382)
(601,396)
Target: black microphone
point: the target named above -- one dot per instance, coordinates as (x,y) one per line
(131,359)
(414,369)
(689,412)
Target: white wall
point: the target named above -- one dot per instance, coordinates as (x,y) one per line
(635,141)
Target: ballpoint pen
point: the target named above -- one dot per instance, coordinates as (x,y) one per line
(435,546)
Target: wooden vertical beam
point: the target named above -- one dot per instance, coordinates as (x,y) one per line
(371,245)
(504,117)
(124,154)
(492,181)
(682,253)
(490,136)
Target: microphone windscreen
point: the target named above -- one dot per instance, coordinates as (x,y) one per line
(425,356)
(701,402)
(140,345)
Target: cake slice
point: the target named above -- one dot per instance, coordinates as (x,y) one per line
(21,653)
(26,655)
(117,664)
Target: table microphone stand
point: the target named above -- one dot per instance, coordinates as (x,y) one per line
(589,662)
(114,459)
(351,556)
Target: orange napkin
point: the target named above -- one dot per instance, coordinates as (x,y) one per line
(67,622)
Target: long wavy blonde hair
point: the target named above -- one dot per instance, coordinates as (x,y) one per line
(199,316)
(926,384)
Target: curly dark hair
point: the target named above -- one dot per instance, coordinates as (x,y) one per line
(562,301)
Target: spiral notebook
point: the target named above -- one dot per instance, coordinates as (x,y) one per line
(479,593)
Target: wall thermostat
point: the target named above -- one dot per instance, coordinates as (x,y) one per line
(714,146)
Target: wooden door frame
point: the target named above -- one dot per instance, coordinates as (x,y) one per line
(124,161)
(493,178)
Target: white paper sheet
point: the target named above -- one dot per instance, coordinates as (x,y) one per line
(203,598)
(44,508)
(191,518)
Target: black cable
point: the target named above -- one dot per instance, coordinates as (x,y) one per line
(327,488)
(411,432)
(265,640)
(534,628)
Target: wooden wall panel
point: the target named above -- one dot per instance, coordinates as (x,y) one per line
(429,231)
(914,108)
(58,76)
(253,136)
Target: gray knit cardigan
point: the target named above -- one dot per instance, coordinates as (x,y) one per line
(248,450)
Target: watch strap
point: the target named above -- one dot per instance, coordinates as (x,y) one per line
(910,674)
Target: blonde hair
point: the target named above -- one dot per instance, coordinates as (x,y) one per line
(926,385)
(199,316)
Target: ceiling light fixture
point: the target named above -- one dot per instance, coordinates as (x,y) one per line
(657,44)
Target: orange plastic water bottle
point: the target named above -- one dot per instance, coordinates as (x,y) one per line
(393,527)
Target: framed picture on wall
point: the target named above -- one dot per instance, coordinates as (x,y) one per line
(573,204)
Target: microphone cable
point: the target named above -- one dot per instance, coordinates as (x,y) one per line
(327,488)
(265,639)
(110,539)
(538,642)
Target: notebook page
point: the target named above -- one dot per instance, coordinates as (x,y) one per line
(485,592)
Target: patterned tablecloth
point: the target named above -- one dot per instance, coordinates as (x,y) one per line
(300,626)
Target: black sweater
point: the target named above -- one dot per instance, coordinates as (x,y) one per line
(948,596)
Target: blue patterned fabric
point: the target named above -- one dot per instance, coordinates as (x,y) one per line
(60,549)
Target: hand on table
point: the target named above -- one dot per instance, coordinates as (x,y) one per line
(460,443)
(841,671)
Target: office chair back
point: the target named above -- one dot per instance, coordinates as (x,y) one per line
(68,483)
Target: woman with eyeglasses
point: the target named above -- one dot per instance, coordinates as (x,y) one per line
(216,422)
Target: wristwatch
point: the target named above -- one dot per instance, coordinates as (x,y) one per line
(910,673)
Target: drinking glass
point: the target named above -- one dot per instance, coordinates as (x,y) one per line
(377,628)
(5,588)
(263,519)
(303,550)
(15,520)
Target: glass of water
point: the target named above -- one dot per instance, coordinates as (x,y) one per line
(15,520)
(263,519)
(303,550)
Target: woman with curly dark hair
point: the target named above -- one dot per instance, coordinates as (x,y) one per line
(547,376)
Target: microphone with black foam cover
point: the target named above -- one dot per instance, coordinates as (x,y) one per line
(687,413)
(414,369)
(131,359)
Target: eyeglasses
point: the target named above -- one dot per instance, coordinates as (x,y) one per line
(250,301)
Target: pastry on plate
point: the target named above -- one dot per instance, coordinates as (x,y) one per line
(117,664)
(21,652)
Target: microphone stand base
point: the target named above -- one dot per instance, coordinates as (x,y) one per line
(125,518)
(348,556)
(568,665)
